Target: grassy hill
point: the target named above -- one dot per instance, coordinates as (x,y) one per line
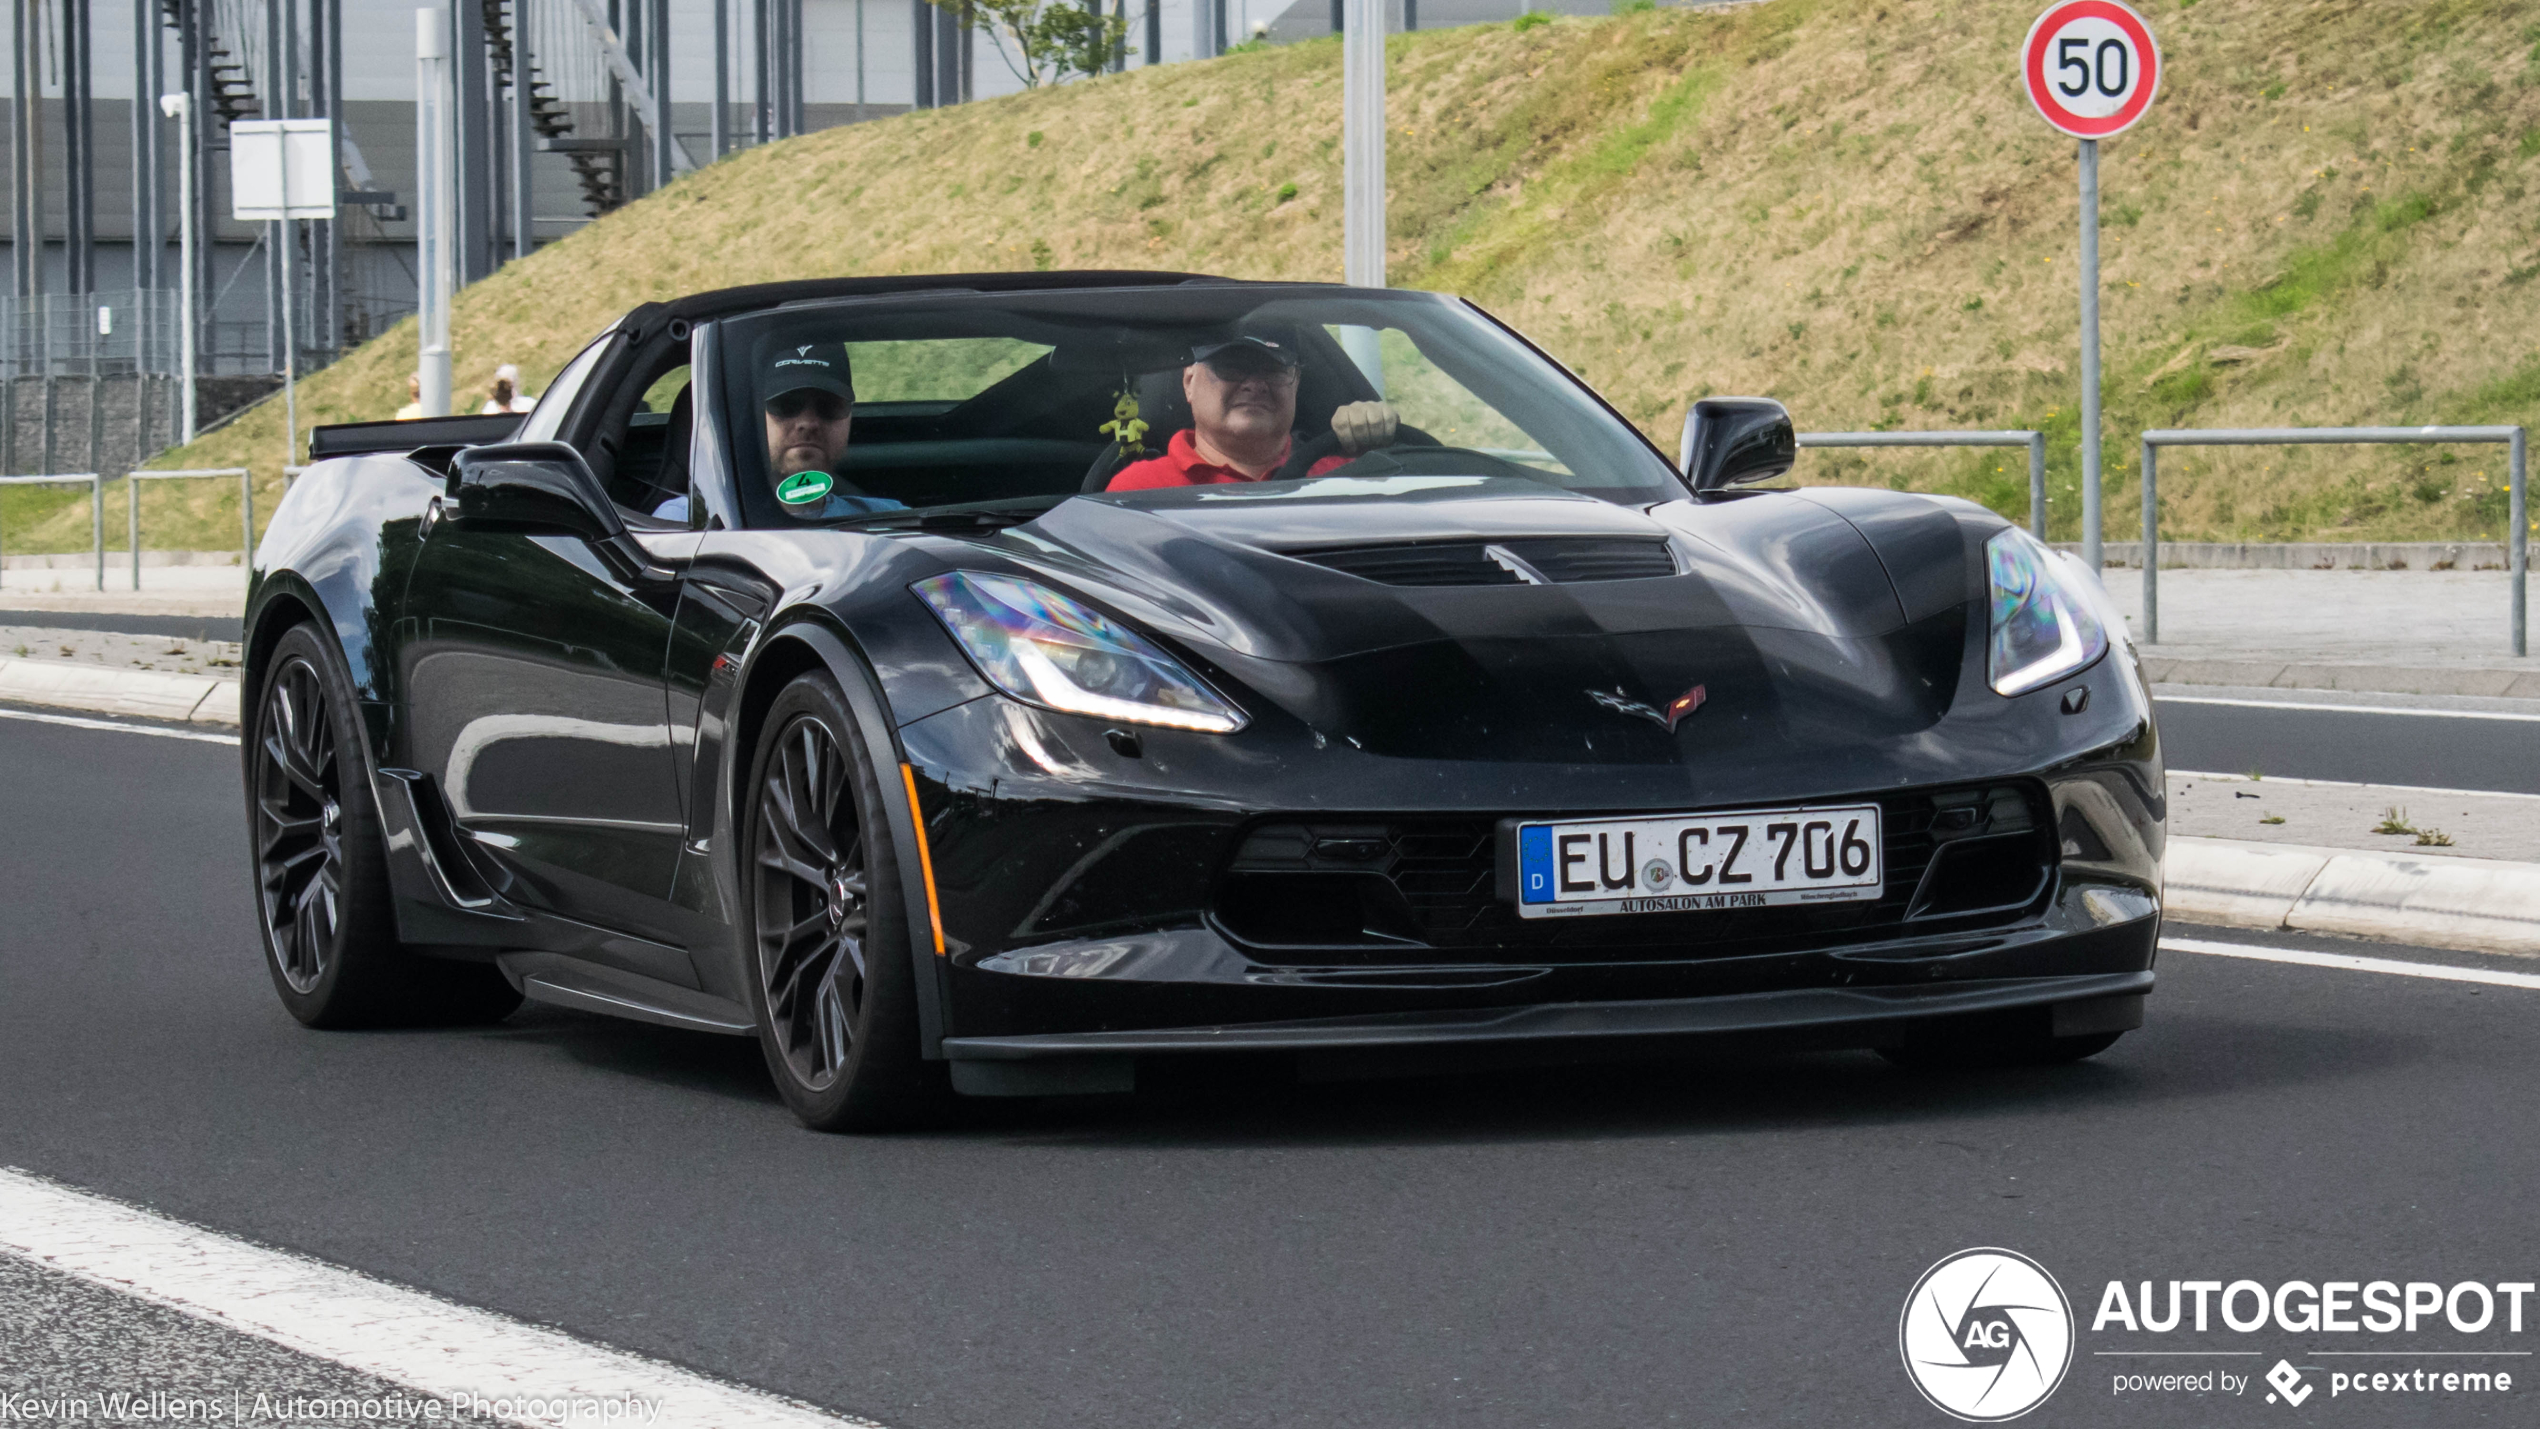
(2328,218)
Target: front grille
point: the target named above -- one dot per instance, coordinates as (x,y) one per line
(1403,889)
(1555,559)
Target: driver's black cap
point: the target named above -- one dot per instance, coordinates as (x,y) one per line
(819,366)
(1276,348)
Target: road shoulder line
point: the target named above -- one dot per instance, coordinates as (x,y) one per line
(2397,967)
(393,1333)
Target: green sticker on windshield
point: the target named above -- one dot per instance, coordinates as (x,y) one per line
(804,487)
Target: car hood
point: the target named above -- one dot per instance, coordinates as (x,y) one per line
(1782,610)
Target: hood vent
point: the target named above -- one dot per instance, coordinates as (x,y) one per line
(1536,560)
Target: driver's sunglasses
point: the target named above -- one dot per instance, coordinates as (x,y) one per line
(1243,371)
(827,406)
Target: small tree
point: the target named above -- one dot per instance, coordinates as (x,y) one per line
(1047,40)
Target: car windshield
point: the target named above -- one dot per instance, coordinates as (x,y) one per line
(1004,404)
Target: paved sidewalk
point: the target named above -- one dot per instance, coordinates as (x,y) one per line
(2453,822)
(2402,632)
(165,590)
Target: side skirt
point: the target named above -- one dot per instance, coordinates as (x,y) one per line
(571,982)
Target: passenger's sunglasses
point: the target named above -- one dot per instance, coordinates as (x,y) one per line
(827,406)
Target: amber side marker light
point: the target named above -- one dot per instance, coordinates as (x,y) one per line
(925,857)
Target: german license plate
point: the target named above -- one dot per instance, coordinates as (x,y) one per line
(1690,862)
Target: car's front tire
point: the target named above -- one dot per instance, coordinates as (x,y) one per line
(831,981)
(322,895)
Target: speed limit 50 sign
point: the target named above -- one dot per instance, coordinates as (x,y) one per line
(2091,67)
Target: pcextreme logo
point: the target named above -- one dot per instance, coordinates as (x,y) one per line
(1986,1335)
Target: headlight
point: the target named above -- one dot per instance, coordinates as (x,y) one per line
(2043,628)
(1041,647)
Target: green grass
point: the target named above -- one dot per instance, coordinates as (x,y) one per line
(2331,217)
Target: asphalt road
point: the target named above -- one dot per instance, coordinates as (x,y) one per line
(1696,1243)
(185,627)
(2449,749)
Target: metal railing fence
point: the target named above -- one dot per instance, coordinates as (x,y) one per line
(107,334)
(2516,539)
(246,509)
(96,506)
(2034,441)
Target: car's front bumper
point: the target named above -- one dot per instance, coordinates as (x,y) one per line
(2073,1005)
(1083,927)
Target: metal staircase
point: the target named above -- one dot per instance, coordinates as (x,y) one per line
(599,166)
(233,96)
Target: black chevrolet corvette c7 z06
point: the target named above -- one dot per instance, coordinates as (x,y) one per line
(804,667)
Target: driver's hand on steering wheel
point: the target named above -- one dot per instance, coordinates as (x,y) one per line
(1365,426)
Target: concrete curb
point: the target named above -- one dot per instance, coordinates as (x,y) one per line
(2159,669)
(150,694)
(2473,904)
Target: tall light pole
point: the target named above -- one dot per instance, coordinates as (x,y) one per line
(435,235)
(1363,143)
(180,107)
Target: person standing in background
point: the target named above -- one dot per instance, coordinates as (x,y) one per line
(506,395)
(414,399)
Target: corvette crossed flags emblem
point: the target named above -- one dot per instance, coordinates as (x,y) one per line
(1667,719)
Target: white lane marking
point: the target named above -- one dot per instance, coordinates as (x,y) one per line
(2349,784)
(76,722)
(438,1348)
(2443,972)
(2417,711)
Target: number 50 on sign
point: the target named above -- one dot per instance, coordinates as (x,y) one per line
(2091,67)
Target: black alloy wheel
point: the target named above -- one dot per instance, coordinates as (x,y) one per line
(299,823)
(833,981)
(813,911)
(322,895)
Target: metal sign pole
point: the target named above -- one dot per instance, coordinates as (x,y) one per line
(2090,533)
(181,108)
(290,336)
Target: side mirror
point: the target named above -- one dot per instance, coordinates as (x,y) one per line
(546,487)
(1731,441)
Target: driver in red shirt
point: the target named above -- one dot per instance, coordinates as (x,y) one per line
(1243,414)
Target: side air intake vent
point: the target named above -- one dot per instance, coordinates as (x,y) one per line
(1536,560)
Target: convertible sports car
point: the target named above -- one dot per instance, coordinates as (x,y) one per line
(940,755)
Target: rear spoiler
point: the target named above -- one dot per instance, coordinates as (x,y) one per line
(361,438)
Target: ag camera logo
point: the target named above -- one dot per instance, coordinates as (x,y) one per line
(1986,1335)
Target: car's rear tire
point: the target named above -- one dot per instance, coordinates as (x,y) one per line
(2035,1050)
(831,981)
(323,903)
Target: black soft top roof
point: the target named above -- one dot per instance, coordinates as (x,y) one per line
(697,307)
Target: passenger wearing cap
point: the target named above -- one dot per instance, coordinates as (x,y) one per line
(1243,418)
(808,403)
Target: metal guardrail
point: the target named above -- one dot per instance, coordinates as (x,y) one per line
(96,505)
(2034,441)
(246,511)
(2516,540)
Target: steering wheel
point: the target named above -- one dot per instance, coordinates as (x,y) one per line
(1307,453)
